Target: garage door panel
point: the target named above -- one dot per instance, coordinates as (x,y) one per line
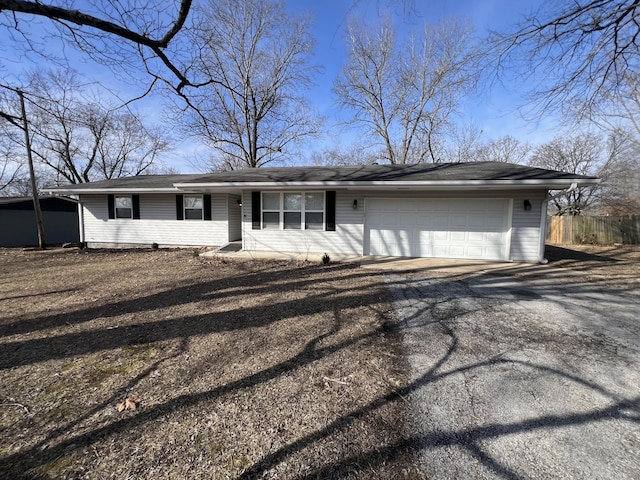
(494,223)
(435,221)
(455,228)
(477,237)
(440,236)
(459,221)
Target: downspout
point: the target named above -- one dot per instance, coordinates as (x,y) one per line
(81,222)
(543,219)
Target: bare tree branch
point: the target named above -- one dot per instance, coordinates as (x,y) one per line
(93,33)
(577,52)
(83,140)
(403,95)
(79,18)
(250,62)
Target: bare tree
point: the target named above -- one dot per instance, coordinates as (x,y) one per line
(125,146)
(584,154)
(252,62)
(505,149)
(460,145)
(12,171)
(113,33)
(81,140)
(620,192)
(339,156)
(404,93)
(580,50)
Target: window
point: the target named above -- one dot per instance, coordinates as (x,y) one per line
(124,206)
(313,210)
(193,207)
(270,210)
(293,210)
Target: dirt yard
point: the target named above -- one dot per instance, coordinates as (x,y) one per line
(611,264)
(164,364)
(220,369)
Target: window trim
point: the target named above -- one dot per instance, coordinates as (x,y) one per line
(303,210)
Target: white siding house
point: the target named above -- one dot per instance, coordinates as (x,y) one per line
(484,210)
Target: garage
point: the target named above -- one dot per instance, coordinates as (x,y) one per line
(446,228)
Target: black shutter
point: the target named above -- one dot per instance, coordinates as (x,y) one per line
(331,212)
(206,201)
(135,201)
(256,210)
(111,202)
(179,208)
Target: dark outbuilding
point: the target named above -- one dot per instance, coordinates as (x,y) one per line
(18,221)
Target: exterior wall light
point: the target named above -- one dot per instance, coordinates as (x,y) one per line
(355,203)
(239,202)
(527,205)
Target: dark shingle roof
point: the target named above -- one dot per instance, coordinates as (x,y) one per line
(375,173)
(444,173)
(140,181)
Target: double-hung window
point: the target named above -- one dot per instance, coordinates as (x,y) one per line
(270,210)
(314,210)
(293,210)
(124,206)
(193,207)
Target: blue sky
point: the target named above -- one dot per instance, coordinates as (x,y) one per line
(494,110)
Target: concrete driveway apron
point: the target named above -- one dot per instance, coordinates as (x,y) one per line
(521,372)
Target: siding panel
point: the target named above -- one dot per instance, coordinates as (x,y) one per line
(349,235)
(525,227)
(157,223)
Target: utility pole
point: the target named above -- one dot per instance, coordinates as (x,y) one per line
(34,190)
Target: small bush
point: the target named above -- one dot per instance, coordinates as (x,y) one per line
(155,246)
(326,259)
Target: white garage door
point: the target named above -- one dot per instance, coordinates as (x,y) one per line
(449,228)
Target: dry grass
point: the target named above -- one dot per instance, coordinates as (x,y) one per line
(243,369)
(617,265)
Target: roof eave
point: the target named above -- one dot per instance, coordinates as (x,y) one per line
(185,187)
(391,185)
(117,190)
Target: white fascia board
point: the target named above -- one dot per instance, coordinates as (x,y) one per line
(117,191)
(392,185)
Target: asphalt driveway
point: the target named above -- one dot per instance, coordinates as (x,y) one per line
(529,372)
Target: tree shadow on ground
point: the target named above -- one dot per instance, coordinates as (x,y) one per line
(323,299)
(624,408)
(442,368)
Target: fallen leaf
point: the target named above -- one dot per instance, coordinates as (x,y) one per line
(128,404)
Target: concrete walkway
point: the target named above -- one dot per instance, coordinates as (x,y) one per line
(446,265)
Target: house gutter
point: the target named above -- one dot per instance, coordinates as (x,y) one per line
(391,184)
(193,187)
(543,219)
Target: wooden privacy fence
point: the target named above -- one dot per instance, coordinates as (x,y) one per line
(593,230)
